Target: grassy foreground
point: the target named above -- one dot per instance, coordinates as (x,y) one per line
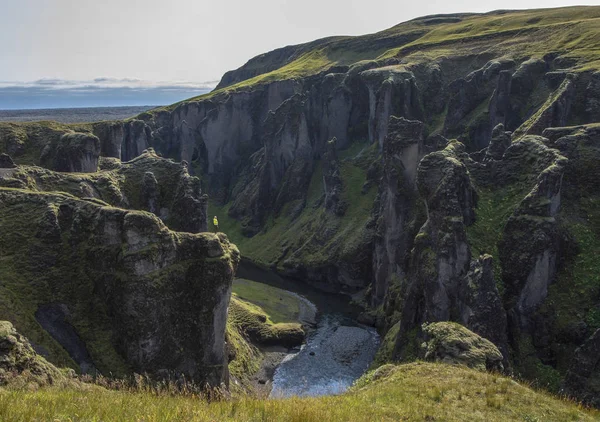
(417,391)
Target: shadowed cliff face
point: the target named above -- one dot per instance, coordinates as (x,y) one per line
(158,298)
(258,148)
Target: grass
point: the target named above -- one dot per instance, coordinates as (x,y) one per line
(280,305)
(258,314)
(494,207)
(316,237)
(254,323)
(413,392)
(573,32)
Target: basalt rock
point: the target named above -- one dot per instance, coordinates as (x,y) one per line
(148,182)
(159,297)
(402,150)
(582,379)
(468,93)
(72,152)
(441,255)
(500,141)
(150,192)
(6,162)
(530,241)
(484,312)
(332,182)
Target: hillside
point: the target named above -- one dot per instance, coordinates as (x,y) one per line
(444,169)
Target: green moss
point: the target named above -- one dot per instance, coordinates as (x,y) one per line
(316,237)
(246,357)
(280,305)
(494,207)
(255,324)
(386,349)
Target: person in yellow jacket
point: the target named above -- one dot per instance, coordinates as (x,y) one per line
(216,224)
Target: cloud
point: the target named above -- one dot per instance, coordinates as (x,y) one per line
(107,83)
(98,92)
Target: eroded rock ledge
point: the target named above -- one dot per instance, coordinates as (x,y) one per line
(159,297)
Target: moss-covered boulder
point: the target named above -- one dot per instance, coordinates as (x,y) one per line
(20,364)
(449,342)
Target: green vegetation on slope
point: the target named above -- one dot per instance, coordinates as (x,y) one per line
(259,314)
(573,32)
(493,209)
(316,236)
(413,392)
(278,304)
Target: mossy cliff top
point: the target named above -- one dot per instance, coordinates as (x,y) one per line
(148,182)
(140,296)
(570,32)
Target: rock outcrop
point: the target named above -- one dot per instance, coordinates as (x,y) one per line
(452,343)
(21,365)
(73,152)
(149,182)
(6,162)
(332,181)
(530,241)
(160,296)
(581,381)
(402,151)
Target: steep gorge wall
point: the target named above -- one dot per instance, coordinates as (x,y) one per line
(257,148)
(141,297)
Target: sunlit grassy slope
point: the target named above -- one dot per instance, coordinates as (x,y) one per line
(572,32)
(279,305)
(413,392)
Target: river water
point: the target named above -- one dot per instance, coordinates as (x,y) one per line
(335,355)
(337,351)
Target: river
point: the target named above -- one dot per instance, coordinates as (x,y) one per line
(338,350)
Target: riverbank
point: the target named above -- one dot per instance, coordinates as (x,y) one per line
(337,350)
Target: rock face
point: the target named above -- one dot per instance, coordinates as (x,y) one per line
(20,364)
(149,182)
(402,150)
(6,162)
(484,311)
(332,181)
(582,378)
(452,343)
(74,152)
(161,295)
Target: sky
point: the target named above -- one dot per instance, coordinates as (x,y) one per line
(179,47)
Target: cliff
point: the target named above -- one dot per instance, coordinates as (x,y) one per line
(115,289)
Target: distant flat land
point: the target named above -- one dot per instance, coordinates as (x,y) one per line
(72,115)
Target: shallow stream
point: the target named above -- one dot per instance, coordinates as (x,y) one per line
(337,351)
(335,355)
